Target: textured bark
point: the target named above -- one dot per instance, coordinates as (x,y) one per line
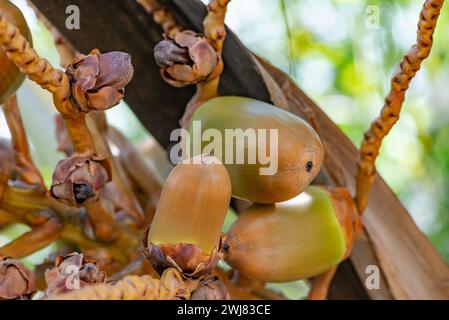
(411,268)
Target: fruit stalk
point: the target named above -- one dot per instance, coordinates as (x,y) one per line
(215,33)
(117,71)
(38,70)
(26,169)
(321,284)
(161,16)
(119,192)
(133,162)
(38,238)
(186,57)
(389,115)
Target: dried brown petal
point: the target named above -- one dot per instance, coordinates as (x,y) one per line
(211,288)
(188,259)
(72,272)
(78,180)
(167,53)
(185,59)
(98,80)
(49,263)
(16,281)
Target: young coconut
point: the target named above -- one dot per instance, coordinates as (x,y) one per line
(186,229)
(10,76)
(293,147)
(295,239)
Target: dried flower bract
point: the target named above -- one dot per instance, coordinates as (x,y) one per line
(188,259)
(185,59)
(98,80)
(78,180)
(16,281)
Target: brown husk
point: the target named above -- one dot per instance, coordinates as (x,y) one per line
(79,180)
(16,281)
(97,80)
(188,259)
(186,58)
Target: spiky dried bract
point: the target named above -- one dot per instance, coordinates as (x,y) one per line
(389,115)
(72,272)
(78,180)
(185,59)
(16,281)
(98,80)
(171,286)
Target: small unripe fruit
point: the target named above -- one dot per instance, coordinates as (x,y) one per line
(290,147)
(10,77)
(292,240)
(189,217)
